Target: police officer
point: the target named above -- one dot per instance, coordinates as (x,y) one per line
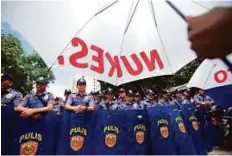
(67,92)
(178,97)
(122,96)
(80,101)
(38,102)
(10,99)
(201,99)
(129,104)
(9,96)
(187,98)
(96,98)
(165,98)
(109,103)
(137,99)
(57,106)
(149,99)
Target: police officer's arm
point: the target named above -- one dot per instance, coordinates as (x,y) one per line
(91,105)
(20,105)
(68,105)
(209,100)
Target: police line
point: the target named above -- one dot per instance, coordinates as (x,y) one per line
(159,130)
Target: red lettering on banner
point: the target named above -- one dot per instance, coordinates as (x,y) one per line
(61,60)
(98,56)
(82,53)
(115,65)
(139,66)
(223,77)
(151,63)
(99,59)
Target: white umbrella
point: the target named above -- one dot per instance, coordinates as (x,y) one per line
(113,41)
(211,74)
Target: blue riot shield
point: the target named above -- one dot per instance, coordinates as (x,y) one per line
(210,135)
(63,143)
(137,132)
(193,128)
(8,117)
(32,137)
(161,137)
(183,141)
(110,138)
(81,133)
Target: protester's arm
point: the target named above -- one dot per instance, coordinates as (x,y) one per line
(211,34)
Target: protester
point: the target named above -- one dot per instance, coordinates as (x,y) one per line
(210,34)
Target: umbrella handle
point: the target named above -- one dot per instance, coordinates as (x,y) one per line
(224,59)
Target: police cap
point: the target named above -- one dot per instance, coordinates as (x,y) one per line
(109,91)
(137,94)
(81,81)
(67,92)
(6,76)
(149,92)
(129,92)
(122,90)
(42,80)
(94,92)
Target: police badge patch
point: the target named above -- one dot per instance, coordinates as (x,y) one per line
(110,140)
(76,142)
(195,125)
(29,148)
(8,96)
(181,127)
(164,131)
(140,137)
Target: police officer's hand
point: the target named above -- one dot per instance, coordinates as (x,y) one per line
(27,113)
(211,33)
(36,116)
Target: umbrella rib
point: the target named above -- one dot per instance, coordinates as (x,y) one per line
(214,65)
(130,16)
(86,23)
(130,19)
(201,5)
(106,7)
(155,21)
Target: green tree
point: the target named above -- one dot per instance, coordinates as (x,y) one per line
(24,68)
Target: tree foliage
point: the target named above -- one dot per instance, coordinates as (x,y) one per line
(24,68)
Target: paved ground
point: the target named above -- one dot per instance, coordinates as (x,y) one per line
(219,151)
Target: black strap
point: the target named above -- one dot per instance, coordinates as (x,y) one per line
(42,101)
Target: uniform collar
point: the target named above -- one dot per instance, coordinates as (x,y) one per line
(81,95)
(42,94)
(8,90)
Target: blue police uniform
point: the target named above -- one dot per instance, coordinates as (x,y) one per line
(201,98)
(164,102)
(10,97)
(35,100)
(76,99)
(106,105)
(187,101)
(148,104)
(130,106)
(177,101)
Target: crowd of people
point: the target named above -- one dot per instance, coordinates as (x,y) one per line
(42,101)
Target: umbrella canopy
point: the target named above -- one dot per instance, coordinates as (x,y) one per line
(211,74)
(113,41)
